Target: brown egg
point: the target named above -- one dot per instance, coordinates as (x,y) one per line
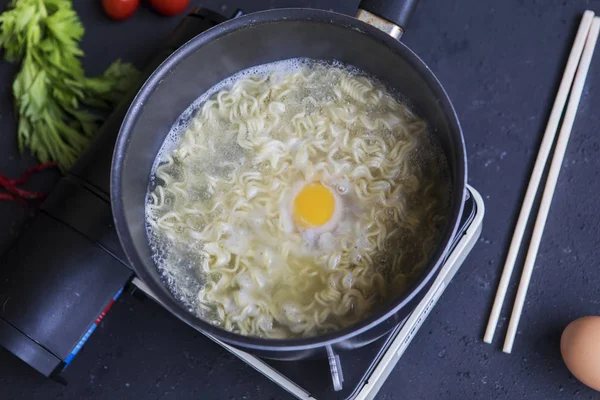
(580,349)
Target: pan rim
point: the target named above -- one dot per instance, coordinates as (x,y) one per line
(247,22)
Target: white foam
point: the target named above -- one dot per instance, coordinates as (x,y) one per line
(181,125)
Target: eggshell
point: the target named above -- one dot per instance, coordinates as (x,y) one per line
(580,349)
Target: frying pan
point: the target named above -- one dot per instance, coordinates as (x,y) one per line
(261,38)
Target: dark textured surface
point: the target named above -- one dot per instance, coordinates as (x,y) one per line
(501,63)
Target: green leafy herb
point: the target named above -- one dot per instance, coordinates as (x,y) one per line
(51,87)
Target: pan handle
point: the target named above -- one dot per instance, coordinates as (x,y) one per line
(391,16)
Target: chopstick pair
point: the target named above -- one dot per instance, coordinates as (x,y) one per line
(577,68)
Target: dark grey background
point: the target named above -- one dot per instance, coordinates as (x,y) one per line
(501,63)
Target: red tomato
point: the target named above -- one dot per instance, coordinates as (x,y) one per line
(120,9)
(170,7)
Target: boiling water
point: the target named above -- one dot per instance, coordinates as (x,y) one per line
(181,262)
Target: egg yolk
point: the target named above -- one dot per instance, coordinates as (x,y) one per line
(313,206)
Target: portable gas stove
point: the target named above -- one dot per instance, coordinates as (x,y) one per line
(46,321)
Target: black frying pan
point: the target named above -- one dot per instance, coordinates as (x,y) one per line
(257,39)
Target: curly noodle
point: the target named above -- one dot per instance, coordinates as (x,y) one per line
(222,196)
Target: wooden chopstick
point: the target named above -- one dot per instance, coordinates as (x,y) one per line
(557,159)
(538,170)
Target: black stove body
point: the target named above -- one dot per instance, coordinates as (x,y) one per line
(44,321)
